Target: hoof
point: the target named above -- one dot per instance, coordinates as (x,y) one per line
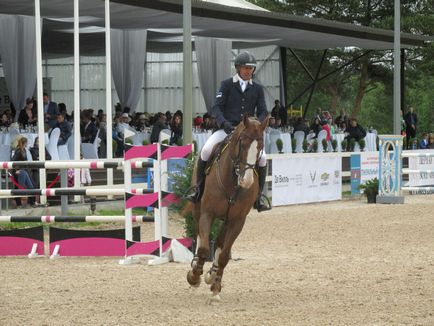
(192,279)
(209,277)
(214,298)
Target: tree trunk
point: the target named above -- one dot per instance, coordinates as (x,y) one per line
(363,82)
(333,91)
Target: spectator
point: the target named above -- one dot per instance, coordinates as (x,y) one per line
(51,111)
(65,129)
(342,118)
(424,141)
(142,123)
(176,130)
(300,125)
(272,123)
(22,175)
(159,124)
(5,120)
(355,130)
(325,126)
(124,123)
(410,119)
(88,130)
(316,127)
(34,151)
(117,138)
(62,110)
(101,124)
(197,122)
(279,112)
(28,115)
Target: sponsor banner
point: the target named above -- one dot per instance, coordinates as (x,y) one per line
(369,166)
(306,180)
(355,174)
(426,166)
(364,166)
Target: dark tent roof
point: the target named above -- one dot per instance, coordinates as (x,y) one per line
(163,20)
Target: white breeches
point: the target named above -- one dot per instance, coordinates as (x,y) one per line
(217,137)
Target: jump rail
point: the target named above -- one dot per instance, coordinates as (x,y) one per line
(49,165)
(74,219)
(71,191)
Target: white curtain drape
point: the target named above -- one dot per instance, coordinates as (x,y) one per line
(213,65)
(128,51)
(18,56)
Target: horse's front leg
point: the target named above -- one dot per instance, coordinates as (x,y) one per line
(202,249)
(223,252)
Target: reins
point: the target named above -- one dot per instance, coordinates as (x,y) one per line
(236,164)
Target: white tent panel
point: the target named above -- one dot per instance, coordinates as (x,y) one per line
(162,89)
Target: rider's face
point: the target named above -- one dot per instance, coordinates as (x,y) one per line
(246,72)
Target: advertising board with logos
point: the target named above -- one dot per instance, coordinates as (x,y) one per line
(306,180)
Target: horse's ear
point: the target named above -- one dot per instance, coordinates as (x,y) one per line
(264,123)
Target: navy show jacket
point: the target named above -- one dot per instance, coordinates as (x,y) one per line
(231,103)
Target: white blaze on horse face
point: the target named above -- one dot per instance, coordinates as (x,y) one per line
(247,180)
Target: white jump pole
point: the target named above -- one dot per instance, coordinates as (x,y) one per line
(77,138)
(108,88)
(39,90)
(159,212)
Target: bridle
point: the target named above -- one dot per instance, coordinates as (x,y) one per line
(237,162)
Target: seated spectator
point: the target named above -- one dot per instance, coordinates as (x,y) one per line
(316,127)
(197,122)
(325,126)
(124,123)
(272,123)
(355,130)
(300,125)
(34,151)
(28,115)
(176,130)
(65,129)
(88,130)
(142,123)
(5,120)
(424,141)
(22,176)
(62,110)
(159,124)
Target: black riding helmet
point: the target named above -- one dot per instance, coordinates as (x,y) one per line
(245,59)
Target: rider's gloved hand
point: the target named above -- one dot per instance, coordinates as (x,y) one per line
(227,127)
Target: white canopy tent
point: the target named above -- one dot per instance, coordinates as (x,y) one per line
(163,23)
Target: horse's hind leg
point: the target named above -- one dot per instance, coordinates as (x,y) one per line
(202,249)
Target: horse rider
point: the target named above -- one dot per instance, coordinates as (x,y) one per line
(238,95)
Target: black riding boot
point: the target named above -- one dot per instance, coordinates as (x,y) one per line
(260,205)
(200,182)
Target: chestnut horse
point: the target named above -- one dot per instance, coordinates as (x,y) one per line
(231,188)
